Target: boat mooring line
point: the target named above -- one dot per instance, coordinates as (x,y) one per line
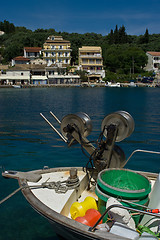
(10,195)
(59,187)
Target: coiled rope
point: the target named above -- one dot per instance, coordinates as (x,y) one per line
(59,187)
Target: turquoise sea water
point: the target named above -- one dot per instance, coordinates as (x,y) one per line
(27,142)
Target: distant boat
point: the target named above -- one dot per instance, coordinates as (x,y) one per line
(109,84)
(92,85)
(132,84)
(16,86)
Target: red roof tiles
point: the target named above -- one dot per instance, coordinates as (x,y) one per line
(154,53)
(32,49)
(21,58)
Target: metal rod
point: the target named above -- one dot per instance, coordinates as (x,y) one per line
(60,135)
(140,150)
(55,117)
(121,206)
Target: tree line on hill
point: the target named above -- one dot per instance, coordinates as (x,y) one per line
(122,53)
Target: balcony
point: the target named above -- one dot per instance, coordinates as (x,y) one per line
(99,56)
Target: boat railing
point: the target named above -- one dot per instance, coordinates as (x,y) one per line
(92,229)
(140,150)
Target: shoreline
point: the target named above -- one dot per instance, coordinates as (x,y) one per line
(74,85)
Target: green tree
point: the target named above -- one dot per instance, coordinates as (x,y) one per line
(116,35)
(145,38)
(7,27)
(122,35)
(111,37)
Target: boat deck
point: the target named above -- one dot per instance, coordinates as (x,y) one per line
(53,200)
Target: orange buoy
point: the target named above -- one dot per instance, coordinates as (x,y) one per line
(90,218)
(154,211)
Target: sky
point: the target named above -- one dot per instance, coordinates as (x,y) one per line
(98,16)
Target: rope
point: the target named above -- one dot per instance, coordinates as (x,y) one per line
(10,195)
(59,187)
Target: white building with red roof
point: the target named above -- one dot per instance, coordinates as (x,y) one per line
(20,60)
(153,61)
(32,52)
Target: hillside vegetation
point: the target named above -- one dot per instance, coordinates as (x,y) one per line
(122,53)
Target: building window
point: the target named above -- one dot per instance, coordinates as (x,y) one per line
(52,47)
(156,65)
(60,47)
(98,61)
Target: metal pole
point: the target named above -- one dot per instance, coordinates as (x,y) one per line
(60,135)
(55,117)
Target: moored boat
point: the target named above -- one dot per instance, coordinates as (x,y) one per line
(109,84)
(53,191)
(16,86)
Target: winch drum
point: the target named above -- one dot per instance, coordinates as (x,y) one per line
(124,122)
(80,120)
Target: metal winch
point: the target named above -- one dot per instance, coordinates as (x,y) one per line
(104,153)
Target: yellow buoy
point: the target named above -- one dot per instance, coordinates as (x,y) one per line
(79,209)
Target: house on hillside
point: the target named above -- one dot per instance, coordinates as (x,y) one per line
(153,61)
(91,61)
(57,51)
(32,52)
(20,60)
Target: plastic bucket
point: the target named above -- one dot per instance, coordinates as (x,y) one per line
(123,183)
(103,198)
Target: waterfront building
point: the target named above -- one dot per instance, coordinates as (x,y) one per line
(58,75)
(153,61)
(37,75)
(91,61)
(15,76)
(32,52)
(57,51)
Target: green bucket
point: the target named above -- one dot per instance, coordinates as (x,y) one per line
(124,183)
(103,198)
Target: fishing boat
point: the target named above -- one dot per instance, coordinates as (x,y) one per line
(16,86)
(109,84)
(101,200)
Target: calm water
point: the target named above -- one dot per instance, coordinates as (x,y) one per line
(27,142)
